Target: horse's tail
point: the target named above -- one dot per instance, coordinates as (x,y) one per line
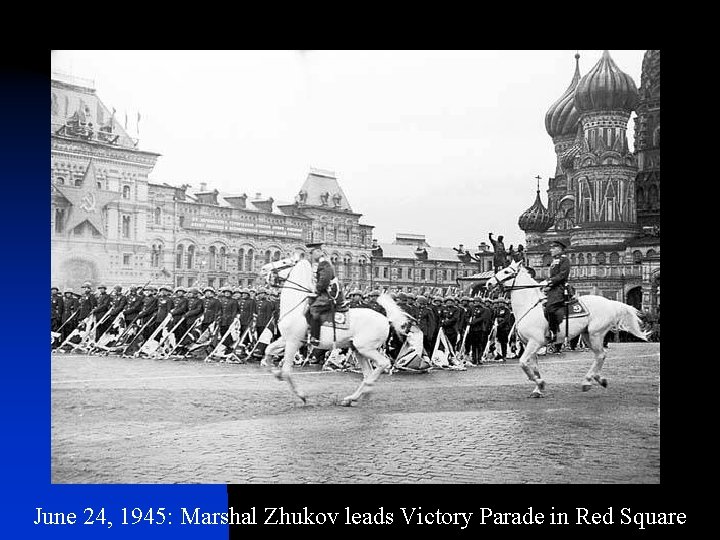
(629,321)
(398,318)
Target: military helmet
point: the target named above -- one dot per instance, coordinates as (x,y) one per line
(87,285)
(437,298)
(466,299)
(167,288)
(450,299)
(208,288)
(179,289)
(355,291)
(421,299)
(117,288)
(411,296)
(401,296)
(226,289)
(68,290)
(193,290)
(245,291)
(477,299)
(236,290)
(150,288)
(54,289)
(101,286)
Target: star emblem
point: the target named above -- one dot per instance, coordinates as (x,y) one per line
(87,201)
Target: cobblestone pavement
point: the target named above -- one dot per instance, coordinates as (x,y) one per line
(117,420)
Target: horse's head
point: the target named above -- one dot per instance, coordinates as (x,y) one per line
(503,276)
(275,272)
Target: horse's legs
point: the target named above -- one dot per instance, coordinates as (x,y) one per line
(272,350)
(365,387)
(285,371)
(596,344)
(528,363)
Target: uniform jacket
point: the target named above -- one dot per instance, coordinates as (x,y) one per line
(559,273)
(228,310)
(134,305)
(247,307)
(70,306)
(450,317)
(103,305)
(426,320)
(117,304)
(179,307)
(211,310)
(56,307)
(149,307)
(372,304)
(326,287)
(504,319)
(265,312)
(194,310)
(164,305)
(87,304)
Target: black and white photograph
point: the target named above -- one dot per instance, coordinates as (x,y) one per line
(355,267)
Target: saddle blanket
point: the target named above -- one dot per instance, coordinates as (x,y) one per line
(342,320)
(576,309)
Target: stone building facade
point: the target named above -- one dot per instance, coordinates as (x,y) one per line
(598,202)
(99,183)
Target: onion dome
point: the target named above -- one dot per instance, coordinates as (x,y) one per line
(537,218)
(606,88)
(562,116)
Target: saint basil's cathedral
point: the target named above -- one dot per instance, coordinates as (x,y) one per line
(604,200)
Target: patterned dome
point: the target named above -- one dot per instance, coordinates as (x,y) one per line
(606,88)
(537,218)
(562,116)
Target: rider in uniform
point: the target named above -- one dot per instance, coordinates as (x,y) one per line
(328,291)
(554,287)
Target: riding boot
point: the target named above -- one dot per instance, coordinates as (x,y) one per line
(315,325)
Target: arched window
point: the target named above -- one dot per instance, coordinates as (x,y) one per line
(126,226)
(60,180)
(212,254)
(637,256)
(614,258)
(249,260)
(276,256)
(179,256)
(59,220)
(126,192)
(158,216)
(363,269)
(589,258)
(241,260)
(547,259)
(656,137)
(653,195)
(221,259)
(581,258)
(601,258)
(267,256)
(651,253)
(190,257)
(572,258)
(348,270)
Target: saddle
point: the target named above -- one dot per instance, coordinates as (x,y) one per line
(576,309)
(342,319)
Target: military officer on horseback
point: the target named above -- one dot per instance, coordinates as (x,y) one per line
(554,287)
(329,295)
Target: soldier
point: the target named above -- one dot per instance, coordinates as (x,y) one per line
(504,319)
(148,311)
(426,322)
(554,287)
(356,300)
(411,304)
(133,306)
(265,314)
(211,308)
(487,316)
(450,320)
(194,307)
(56,309)
(87,302)
(475,333)
(247,308)
(328,293)
(71,305)
(115,305)
(227,313)
(178,311)
(102,307)
(465,315)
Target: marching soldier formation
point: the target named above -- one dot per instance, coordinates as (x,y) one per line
(237,324)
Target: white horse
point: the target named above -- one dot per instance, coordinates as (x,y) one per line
(531,325)
(367,330)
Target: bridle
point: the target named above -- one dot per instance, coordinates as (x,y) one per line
(512,286)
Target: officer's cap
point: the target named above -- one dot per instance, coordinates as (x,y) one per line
(477,299)
(557,243)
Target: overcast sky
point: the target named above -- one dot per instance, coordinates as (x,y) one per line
(440,143)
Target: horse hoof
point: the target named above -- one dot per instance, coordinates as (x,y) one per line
(303,397)
(536,394)
(586,387)
(541,385)
(347,402)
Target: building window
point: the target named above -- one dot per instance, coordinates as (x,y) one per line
(385,272)
(348,236)
(179,281)
(59,220)
(444,275)
(126,226)
(589,258)
(241,259)
(155,256)
(377,272)
(190,257)
(452,275)
(410,273)
(127,259)
(179,256)
(614,258)
(637,256)
(126,192)
(432,275)
(610,209)
(191,281)
(158,216)
(211,282)
(601,258)
(221,259)
(276,256)
(581,258)
(267,256)
(221,282)
(651,253)
(249,261)
(363,269)
(212,253)
(78,181)
(60,180)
